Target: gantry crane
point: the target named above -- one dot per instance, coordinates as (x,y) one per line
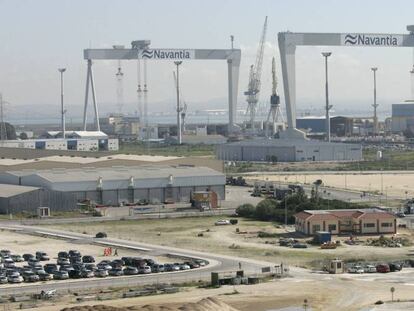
(255,74)
(274,110)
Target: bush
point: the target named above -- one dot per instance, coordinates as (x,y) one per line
(246,210)
(101,235)
(265,210)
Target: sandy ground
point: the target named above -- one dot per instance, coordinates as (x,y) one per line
(393,184)
(224,240)
(324,292)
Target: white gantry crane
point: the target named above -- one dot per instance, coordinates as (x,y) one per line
(253,88)
(275,112)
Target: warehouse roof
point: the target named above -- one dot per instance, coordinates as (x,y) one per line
(283,143)
(118,173)
(339,213)
(7,191)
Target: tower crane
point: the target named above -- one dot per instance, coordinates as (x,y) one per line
(274,110)
(182,105)
(253,88)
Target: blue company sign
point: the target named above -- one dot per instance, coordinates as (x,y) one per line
(167,54)
(371,40)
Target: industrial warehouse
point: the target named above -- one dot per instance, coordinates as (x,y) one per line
(63,189)
(288,150)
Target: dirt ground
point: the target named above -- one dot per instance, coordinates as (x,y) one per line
(323,292)
(225,240)
(391,183)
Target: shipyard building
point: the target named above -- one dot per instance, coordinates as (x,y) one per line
(403,117)
(63,189)
(288,150)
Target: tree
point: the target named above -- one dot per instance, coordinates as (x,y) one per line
(246,210)
(10,131)
(265,210)
(23,136)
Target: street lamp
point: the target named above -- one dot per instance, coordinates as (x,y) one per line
(327,106)
(63,111)
(375,105)
(179,137)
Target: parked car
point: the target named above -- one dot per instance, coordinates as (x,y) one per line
(116,272)
(184,266)
(158,268)
(383,268)
(400,214)
(87,273)
(26,257)
(5,253)
(370,269)
(299,245)
(88,259)
(192,264)
(17,278)
(130,270)
(75,260)
(101,273)
(3,279)
(90,266)
(144,270)
(222,222)
(171,267)
(394,267)
(63,261)
(201,262)
(75,274)
(63,254)
(16,258)
(117,263)
(50,267)
(101,235)
(30,277)
(8,263)
(60,275)
(33,262)
(42,256)
(104,266)
(74,253)
(355,269)
(44,276)
(66,268)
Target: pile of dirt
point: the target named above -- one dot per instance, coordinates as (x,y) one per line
(206,304)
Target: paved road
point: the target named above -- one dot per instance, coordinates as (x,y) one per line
(217,263)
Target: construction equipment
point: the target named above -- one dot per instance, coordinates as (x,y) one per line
(274,110)
(182,105)
(255,74)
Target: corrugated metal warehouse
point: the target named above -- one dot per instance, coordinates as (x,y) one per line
(113,185)
(280,150)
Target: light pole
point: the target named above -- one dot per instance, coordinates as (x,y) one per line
(179,137)
(63,111)
(327,106)
(375,105)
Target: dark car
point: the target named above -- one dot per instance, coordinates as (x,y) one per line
(75,274)
(383,268)
(44,276)
(158,268)
(5,253)
(128,260)
(90,266)
(63,254)
(394,267)
(116,272)
(117,263)
(88,259)
(75,260)
(78,266)
(50,267)
(192,264)
(63,261)
(42,256)
(74,253)
(87,273)
(130,270)
(60,275)
(66,268)
(27,257)
(101,235)
(30,276)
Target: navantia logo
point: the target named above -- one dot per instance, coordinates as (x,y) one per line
(372,40)
(167,54)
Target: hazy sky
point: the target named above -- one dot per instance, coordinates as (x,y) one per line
(39,36)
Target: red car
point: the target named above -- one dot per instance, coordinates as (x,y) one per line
(383,268)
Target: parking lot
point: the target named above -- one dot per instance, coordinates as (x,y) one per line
(31,259)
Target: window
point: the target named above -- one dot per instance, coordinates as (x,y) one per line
(369,225)
(331,227)
(316,228)
(386,224)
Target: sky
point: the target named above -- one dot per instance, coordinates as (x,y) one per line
(38,37)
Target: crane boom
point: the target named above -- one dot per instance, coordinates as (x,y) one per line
(255,74)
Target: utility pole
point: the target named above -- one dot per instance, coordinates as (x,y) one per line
(327,106)
(63,111)
(375,105)
(179,137)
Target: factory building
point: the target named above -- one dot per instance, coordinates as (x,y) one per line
(64,188)
(402,117)
(281,150)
